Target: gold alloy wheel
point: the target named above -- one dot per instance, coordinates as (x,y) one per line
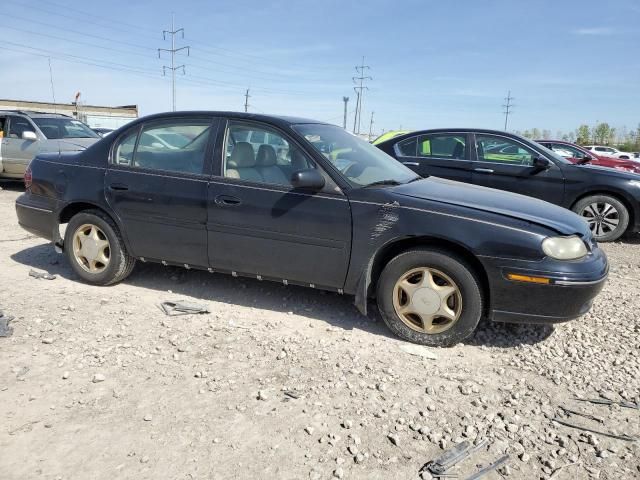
(427,300)
(91,248)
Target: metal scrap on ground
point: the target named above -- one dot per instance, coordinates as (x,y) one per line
(626,438)
(606,401)
(489,468)
(5,329)
(439,467)
(182,307)
(41,275)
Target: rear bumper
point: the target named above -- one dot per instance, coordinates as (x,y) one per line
(35,217)
(569,294)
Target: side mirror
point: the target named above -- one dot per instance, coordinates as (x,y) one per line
(541,163)
(310,179)
(29,135)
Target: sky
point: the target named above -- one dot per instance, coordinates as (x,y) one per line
(433,63)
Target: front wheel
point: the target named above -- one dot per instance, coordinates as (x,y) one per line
(429,296)
(95,249)
(607,216)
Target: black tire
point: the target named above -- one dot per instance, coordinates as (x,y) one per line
(602,231)
(120,263)
(451,265)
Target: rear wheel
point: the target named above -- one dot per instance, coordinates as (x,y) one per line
(607,216)
(95,249)
(430,297)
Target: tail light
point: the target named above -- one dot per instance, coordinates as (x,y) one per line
(28,177)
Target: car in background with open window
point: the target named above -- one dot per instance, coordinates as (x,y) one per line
(27,134)
(608,199)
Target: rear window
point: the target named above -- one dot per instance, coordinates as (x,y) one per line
(55,128)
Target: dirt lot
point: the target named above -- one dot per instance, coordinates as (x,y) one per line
(286,382)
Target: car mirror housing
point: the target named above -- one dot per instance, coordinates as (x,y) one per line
(310,179)
(29,135)
(541,163)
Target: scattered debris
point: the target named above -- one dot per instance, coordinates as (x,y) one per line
(292,395)
(490,468)
(624,437)
(418,351)
(182,307)
(41,275)
(605,401)
(98,377)
(439,466)
(5,329)
(581,414)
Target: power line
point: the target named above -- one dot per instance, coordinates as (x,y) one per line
(359,89)
(173,50)
(507,109)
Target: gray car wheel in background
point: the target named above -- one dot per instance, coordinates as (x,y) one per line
(607,216)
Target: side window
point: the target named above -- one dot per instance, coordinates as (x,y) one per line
(503,150)
(567,151)
(170,146)
(443,146)
(18,125)
(407,148)
(259,154)
(3,122)
(124,149)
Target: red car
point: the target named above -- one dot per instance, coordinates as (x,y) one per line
(579,155)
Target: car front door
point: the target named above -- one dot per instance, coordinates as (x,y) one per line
(17,152)
(505,163)
(439,154)
(157,185)
(260,225)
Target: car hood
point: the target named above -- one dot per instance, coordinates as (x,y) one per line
(499,202)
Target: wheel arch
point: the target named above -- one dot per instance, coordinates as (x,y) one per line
(369,279)
(633,214)
(73,208)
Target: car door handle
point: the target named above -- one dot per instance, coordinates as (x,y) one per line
(119,186)
(227,201)
(413,164)
(483,170)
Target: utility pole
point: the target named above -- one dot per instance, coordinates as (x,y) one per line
(246,100)
(346,101)
(359,89)
(173,50)
(53,92)
(371,126)
(507,109)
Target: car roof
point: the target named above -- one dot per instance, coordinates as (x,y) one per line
(34,114)
(453,130)
(281,120)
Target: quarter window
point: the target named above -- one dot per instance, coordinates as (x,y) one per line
(443,146)
(174,147)
(407,148)
(503,150)
(259,154)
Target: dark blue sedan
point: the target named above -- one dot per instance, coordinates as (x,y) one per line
(302,202)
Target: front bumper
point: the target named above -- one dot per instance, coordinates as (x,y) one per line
(569,295)
(36,216)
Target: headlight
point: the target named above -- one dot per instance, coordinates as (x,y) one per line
(564,248)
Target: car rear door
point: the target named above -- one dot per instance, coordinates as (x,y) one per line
(156,183)
(441,154)
(505,163)
(16,151)
(259,225)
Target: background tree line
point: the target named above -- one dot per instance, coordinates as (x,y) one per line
(601,134)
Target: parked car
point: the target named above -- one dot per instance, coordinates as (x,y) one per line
(26,134)
(581,156)
(608,199)
(388,135)
(437,255)
(609,152)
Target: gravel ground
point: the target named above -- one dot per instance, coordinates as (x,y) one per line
(286,382)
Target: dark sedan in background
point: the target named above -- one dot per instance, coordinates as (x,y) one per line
(324,209)
(608,199)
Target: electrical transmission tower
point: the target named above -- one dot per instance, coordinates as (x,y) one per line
(246,100)
(371,126)
(346,101)
(173,50)
(507,109)
(359,89)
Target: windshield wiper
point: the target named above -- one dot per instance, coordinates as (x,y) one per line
(415,179)
(383,182)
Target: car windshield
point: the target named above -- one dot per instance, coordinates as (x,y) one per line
(553,154)
(360,163)
(56,128)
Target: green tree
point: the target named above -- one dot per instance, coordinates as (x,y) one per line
(603,133)
(535,134)
(527,134)
(583,134)
(546,134)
